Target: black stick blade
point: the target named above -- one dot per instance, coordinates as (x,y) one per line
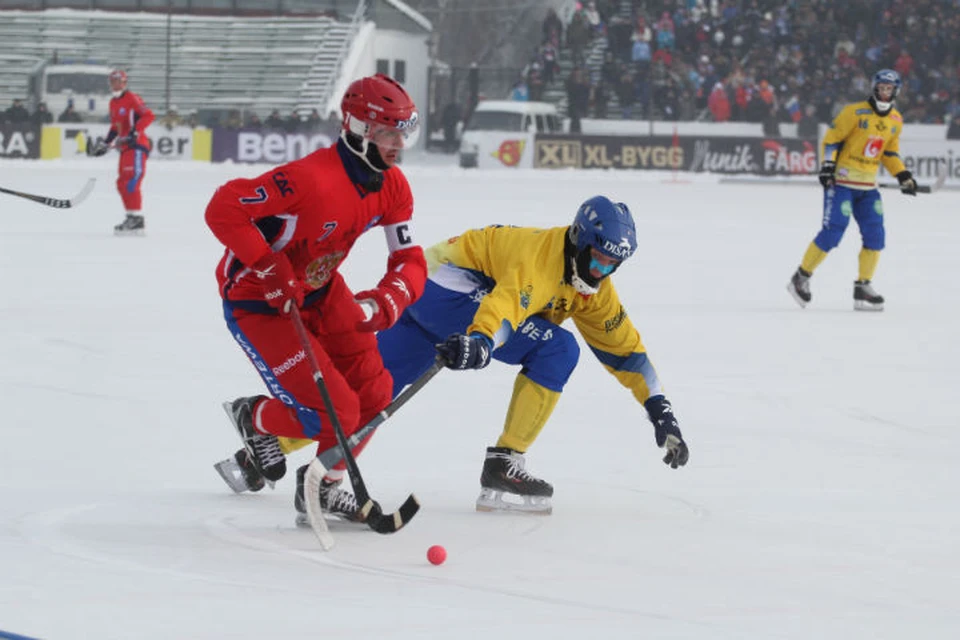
(392,522)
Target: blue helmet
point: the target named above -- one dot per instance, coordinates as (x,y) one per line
(603,225)
(886,76)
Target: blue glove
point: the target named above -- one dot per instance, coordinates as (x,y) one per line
(465,352)
(667,431)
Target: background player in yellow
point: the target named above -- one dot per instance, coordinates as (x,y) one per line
(862,136)
(502,293)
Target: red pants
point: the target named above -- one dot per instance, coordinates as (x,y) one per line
(352,370)
(133,166)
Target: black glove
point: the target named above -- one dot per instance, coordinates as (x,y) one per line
(129,141)
(827,174)
(98,148)
(667,431)
(465,352)
(907,184)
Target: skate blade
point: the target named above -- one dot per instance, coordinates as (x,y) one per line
(228,409)
(134,233)
(302,521)
(232,474)
(536,505)
(863,305)
(793,294)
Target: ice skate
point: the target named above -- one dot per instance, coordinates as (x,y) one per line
(132,225)
(240,473)
(264,450)
(865,298)
(504,475)
(799,287)
(334,501)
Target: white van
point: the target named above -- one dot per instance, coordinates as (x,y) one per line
(84,85)
(500,133)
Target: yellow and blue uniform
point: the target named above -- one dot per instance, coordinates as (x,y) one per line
(859,140)
(508,284)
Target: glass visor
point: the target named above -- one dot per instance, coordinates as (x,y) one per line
(885,91)
(385,136)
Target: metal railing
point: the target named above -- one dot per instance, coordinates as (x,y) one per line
(359,16)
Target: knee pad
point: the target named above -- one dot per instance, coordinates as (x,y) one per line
(869,215)
(875,240)
(553,360)
(829,237)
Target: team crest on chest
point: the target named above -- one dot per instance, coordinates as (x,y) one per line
(321,269)
(525,294)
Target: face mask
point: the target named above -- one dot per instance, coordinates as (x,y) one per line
(605,269)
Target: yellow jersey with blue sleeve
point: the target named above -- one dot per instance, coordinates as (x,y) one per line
(859,140)
(520,273)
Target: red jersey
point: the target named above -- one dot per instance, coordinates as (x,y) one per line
(313,211)
(129,114)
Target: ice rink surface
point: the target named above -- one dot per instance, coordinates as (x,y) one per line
(820,500)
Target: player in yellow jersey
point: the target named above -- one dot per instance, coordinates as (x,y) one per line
(861,137)
(502,293)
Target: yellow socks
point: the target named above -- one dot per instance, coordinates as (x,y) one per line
(812,258)
(289,445)
(530,408)
(868,263)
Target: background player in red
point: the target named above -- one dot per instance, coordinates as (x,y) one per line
(129,119)
(286,233)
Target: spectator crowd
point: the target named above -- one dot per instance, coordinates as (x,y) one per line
(747,60)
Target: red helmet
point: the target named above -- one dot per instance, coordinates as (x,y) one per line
(118,81)
(378,110)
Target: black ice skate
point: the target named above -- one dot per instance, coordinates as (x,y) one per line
(799,287)
(865,298)
(504,473)
(240,473)
(264,450)
(132,225)
(333,501)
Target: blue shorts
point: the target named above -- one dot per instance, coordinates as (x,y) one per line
(839,204)
(547,352)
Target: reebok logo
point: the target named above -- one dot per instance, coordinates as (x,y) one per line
(402,286)
(264,273)
(290,363)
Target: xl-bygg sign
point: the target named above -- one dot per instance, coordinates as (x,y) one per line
(715,154)
(598,152)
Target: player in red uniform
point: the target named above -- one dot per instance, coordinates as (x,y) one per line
(286,233)
(129,119)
